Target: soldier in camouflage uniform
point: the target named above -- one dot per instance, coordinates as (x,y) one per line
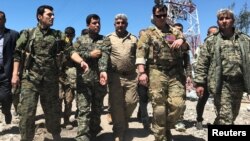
(202,100)
(180,126)
(122,76)
(36,53)
(160,46)
(142,114)
(67,79)
(91,85)
(223,67)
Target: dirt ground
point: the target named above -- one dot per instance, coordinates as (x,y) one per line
(136,131)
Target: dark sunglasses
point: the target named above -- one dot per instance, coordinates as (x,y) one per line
(162,15)
(120,23)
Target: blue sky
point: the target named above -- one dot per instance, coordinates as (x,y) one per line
(21,14)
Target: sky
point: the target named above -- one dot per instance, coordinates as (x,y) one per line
(21,14)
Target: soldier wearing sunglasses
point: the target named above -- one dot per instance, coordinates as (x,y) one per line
(159,50)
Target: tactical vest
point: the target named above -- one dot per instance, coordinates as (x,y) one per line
(160,53)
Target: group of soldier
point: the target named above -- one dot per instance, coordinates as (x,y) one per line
(48,65)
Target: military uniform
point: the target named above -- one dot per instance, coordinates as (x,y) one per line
(90,92)
(122,81)
(224,67)
(67,83)
(166,77)
(40,78)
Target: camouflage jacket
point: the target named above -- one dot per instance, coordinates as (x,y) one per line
(122,58)
(223,57)
(66,61)
(68,70)
(84,45)
(44,50)
(154,46)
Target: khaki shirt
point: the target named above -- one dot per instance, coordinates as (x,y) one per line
(123,52)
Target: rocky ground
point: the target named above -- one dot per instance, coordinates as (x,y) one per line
(136,131)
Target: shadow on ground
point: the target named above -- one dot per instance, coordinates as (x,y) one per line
(11,130)
(186,138)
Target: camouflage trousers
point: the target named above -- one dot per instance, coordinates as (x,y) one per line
(123,99)
(167,96)
(89,103)
(66,95)
(48,91)
(227,104)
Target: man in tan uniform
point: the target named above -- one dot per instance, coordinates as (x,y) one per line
(122,76)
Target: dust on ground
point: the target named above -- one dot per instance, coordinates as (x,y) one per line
(135,132)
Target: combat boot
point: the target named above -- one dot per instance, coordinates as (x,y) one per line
(180,126)
(199,125)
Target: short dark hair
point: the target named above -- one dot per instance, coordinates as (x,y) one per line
(85,31)
(1,12)
(69,30)
(180,25)
(40,10)
(208,30)
(160,7)
(90,16)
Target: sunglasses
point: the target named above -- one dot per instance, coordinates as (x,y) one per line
(120,23)
(162,15)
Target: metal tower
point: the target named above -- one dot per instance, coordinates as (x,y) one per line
(185,11)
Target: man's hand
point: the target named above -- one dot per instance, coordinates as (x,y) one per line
(177,44)
(15,81)
(103,78)
(143,79)
(84,66)
(96,53)
(199,91)
(189,84)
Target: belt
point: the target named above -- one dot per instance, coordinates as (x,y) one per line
(159,67)
(124,73)
(167,70)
